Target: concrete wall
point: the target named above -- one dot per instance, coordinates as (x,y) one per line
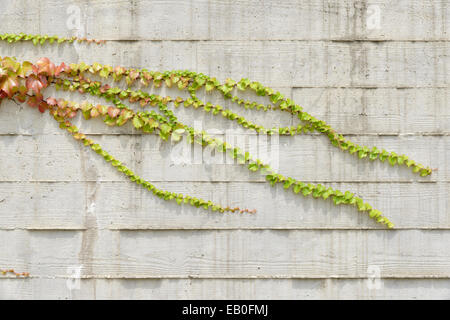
(378,71)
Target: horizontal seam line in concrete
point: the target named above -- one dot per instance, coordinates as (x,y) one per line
(337,40)
(366,87)
(171,229)
(369,134)
(284,229)
(241,277)
(223,181)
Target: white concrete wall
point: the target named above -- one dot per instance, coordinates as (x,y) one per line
(62,207)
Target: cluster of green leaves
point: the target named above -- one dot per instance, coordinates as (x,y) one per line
(320,191)
(43,39)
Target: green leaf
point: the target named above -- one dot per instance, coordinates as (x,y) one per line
(272,179)
(392,160)
(165,128)
(384,155)
(298,187)
(288,183)
(104,73)
(373,155)
(360,204)
(348,195)
(362,153)
(116,163)
(96,147)
(374,213)
(409,163)
(318,190)
(402,159)
(306,191)
(326,194)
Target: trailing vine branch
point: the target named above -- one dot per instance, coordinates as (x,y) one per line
(17,274)
(24,82)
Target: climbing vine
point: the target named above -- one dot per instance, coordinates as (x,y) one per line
(24,82)
(17,274)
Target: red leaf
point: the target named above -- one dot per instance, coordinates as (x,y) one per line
(21,98)
(36,83)
(105,88)
(72,114)
(51,101)
(33,102)
(119,70)
(45,67)
(62,68)
(43,106)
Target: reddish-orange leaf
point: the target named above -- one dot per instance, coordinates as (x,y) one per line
(43,106)
(133,74)
(94,112)
(105,88)
(36,83)
(102,109)
(51,101)
(72,114)
(62,68)
(45,67)
(21,98)
(9,85)
(33,102)
(113,112)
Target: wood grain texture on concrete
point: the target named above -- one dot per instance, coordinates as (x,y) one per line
(376,71)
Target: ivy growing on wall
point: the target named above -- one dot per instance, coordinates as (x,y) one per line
(25,82)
